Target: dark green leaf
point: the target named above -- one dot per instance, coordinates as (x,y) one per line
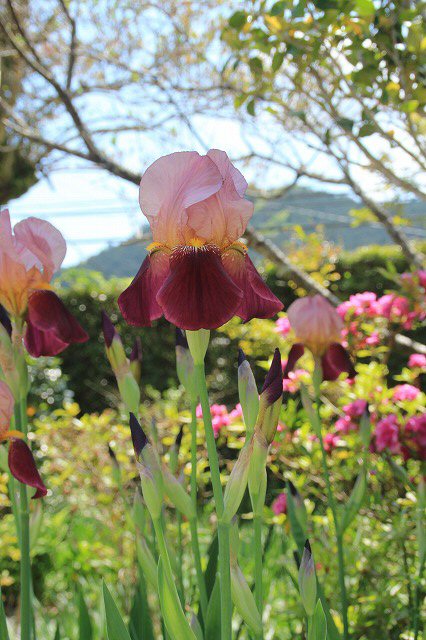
(116,629)
(140,624)
(277,60)
(355,501)
(318,624)
(85,631)
(277,9)
(346,123)
(250,107)
(212,631)
(256,66)
(367,129)
(238,20)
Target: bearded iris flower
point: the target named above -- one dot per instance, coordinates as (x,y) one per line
(29,256)
(197,274)
(318,327)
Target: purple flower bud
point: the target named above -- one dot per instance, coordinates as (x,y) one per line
(307,580)
(136,352)
(139,438)
(108,329)
(273,385)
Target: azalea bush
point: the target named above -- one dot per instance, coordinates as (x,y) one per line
(212,520)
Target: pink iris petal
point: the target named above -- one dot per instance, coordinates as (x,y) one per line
(50,326)
(171,185)
(223,217)
(22,466)
(258,301)
(44,241)
(198,293)
(138,303)
(335,361)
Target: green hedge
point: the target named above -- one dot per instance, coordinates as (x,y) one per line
(87,293)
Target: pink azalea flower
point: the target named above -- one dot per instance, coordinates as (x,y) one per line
(345,425)
(280,504)
(331,440)
(417,361)
(387,434)
(405,392)
(237,413)
(415,437)
(355,409)
(422,277)
(283,326)
(220,417)
(29,256)
(197,274)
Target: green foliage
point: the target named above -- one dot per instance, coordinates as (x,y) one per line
(116,629)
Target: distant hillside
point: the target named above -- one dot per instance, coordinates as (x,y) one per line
(276,218)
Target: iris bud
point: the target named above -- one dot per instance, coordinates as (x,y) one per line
(184,362)
(237,484)
(307,580)
(177,495)
(271,399)
(149,469)
(244,600)
(299,506)
(116,473)
(146,561)
(127,385)
(247,391)
(135,360)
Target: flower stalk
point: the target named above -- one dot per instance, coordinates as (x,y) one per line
(223,528)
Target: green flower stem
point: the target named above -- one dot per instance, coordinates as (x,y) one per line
(180,558)
(258,565)
(422,552)
(333,506)
(223,529)
(193,523)
(24,537)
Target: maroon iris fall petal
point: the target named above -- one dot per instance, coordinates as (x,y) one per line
(258,301)
(22,466)
(198,293)
(138,303)
(295,353)
(50,326)
(335,361)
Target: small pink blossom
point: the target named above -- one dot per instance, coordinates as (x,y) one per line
(282,326)
(237,413)
(220,417)
(280,504)
(345,425)
(331,441)
(405,392)
(417,361)
(291,384)
(355,409)
(387,434)
(415,437)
